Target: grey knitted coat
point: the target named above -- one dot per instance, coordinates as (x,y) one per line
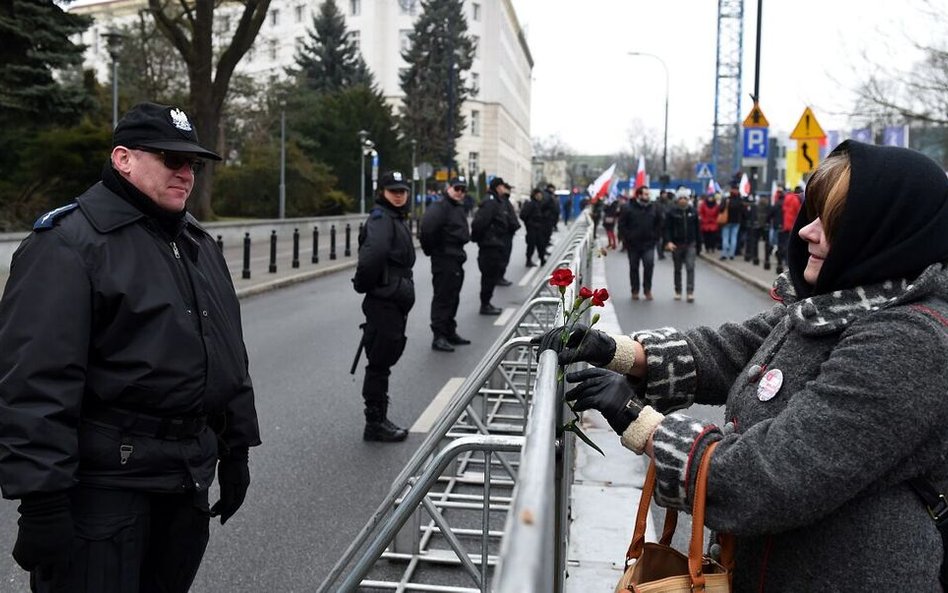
(813,481)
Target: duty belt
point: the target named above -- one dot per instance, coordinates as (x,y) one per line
(137,423)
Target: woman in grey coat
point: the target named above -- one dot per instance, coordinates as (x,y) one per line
(835,398)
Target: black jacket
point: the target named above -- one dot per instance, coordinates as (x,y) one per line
(444,229)
(551,208)
(386,257)
(533,216)
(735,209)
(640,224)
(681,225)
(104,309)
(494,223)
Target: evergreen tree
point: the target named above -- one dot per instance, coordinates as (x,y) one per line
(440,53)
(330,60)
(36,44)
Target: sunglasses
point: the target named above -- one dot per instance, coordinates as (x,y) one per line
(176,160)
(460,188)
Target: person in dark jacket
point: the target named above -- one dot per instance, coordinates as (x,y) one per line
(640,228)
(551,207)
(681,233)
(493,229)
(835,398)
(123,375)
(730,231)
(384,275)
(444,232)
(535,220)
(776,228)
(610,215)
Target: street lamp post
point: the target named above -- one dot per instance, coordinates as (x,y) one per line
(114,40)
(363,138)
(665,140)
(414,144)
(282,160)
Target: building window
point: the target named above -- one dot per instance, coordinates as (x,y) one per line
(475,123)
(476,10)
(477,45)
(475,84)
(273,50)
(250,53)
(473,164)
(355,7)
(298,45)
(299,13)
(407,6)
(225,23)
(356,38)
(404,39)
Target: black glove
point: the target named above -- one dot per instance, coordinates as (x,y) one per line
(233,475)
(46,531)
(583,345)
(609,392)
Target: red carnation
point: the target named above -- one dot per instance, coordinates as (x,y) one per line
(600,297)
(561,277)
(585,293)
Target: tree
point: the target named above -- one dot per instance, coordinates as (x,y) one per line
(552,147)
(150,69)
(189,27)
(439,55)
(330,60)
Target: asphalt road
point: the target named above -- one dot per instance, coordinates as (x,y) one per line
(314,480)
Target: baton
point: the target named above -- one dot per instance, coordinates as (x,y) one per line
(358,355)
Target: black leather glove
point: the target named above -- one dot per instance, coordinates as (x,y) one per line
(233,476)
(46,531)
(583,345)
(609,392)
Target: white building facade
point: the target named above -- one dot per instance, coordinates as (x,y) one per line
(496,140)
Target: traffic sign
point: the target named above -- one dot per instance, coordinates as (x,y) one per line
(756,119)
(808,154)
(807,128)
(704,171)
(755,143)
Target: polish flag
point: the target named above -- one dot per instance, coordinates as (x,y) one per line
(773,191)
(745,185)
(640,174)
(600,187)
(711,188)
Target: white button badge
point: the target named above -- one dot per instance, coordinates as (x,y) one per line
(769,385)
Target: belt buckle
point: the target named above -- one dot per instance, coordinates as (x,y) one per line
(940,513)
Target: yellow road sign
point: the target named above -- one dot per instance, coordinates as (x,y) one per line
(441,175)
(756,119)
(808,154)
(807,127)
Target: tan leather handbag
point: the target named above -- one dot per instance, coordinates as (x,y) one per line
(659,568)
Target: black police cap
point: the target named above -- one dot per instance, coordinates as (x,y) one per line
(394,180)
(162,127)
(497,182)
(460,180)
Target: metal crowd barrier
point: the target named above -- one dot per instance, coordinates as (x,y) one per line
(447,518)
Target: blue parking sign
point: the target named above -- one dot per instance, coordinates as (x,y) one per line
(755,143)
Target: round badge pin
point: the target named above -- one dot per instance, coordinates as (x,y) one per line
(769,385)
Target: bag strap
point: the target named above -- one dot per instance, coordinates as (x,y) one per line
(641,518)
(695,551)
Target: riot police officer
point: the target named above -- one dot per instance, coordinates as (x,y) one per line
(384,275)
(444,232)
(493,229)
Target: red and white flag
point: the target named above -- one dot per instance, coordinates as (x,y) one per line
(745,185)
(640,174)
(600,187)
(773,191)
(711,187)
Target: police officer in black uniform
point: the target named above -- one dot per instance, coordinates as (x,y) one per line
(493,229)
(123,375)
(383,274)
(444,232)
(535,219)
(551,207)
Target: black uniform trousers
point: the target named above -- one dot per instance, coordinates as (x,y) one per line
(535,242)
(491,263)
(447,277)
(508,249)
(384,340)
(131,542)
(646,256)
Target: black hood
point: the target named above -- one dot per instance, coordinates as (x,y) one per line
(893,225)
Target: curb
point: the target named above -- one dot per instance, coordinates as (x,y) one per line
(756,283)
(290,280)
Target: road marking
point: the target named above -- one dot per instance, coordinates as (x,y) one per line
(504,317)
(528,277)
(437,406)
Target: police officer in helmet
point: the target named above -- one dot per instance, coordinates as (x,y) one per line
(384,275)
(123,375)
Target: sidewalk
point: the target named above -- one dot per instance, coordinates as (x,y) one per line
(606,490)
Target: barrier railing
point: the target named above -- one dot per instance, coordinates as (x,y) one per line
(465,496)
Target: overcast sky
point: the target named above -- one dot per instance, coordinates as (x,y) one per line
(588,91)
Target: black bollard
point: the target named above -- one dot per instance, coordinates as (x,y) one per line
(315,244)
(348,239)
(245,273)
(296,248)
(332,242)
(273,252)
(220,242)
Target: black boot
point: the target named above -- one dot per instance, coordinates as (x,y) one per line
(379,428)
(530,263)
(442,344)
